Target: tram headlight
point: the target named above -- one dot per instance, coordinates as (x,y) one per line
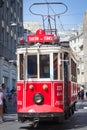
(45,87)
(38,98)
(31,87)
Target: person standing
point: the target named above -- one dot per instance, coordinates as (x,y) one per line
(86,94)
(1,104)
(82,94)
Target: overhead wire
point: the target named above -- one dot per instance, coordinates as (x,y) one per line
(61,24)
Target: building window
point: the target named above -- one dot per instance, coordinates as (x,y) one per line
(78,71)
(81,47)
(82,73)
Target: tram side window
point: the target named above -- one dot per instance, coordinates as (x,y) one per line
(32,66)
(55,65)
(21,66)
(73,71)
(44,66)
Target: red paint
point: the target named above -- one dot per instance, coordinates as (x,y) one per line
(53,96)
(20,87)
(59,93)
(72,92)
(38,88)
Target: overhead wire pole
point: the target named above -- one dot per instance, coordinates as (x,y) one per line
(53,17)
(49,24)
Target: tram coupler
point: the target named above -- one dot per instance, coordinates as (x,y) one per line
(35,123)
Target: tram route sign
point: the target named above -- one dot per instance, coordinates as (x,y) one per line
(41,36)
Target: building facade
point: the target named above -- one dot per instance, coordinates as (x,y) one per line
(85,46)
(31,27)
(11,27)
(76,43)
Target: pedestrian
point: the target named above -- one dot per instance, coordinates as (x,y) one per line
(4,99)
(86,94)
(14,98)
(82,94)
(1,104)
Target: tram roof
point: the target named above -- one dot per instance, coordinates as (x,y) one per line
(45,46)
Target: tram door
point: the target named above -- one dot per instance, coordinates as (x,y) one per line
(66,78)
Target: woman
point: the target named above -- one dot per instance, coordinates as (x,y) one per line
(1,104)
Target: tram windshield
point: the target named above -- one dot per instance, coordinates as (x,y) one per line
(44,66)
(32,66)
(40,66)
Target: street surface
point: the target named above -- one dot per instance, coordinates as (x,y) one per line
(77,122)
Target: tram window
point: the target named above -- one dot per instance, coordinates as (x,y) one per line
(73,71)
(32,66)
(55,65)
(21,66)
(44,66)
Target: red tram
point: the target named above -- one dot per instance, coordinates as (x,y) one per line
(47,79)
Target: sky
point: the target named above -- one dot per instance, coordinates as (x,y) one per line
(71,19)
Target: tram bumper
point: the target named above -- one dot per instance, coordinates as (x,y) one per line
(40,116)
(41,113)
